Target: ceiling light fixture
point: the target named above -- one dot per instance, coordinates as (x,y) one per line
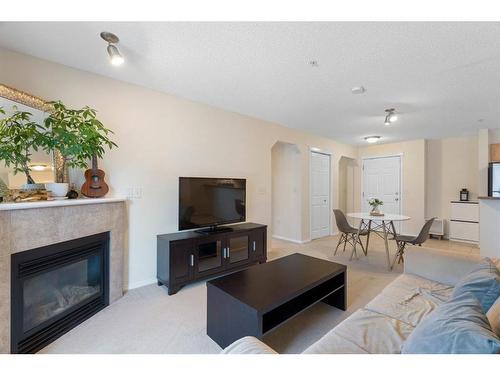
(372,138)
(114,54)
(390,116)
(358,90)
(39,167)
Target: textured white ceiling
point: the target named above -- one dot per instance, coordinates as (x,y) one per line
(441,77)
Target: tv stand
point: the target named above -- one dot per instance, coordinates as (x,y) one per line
(186,257)
(214,229)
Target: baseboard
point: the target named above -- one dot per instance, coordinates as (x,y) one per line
(138,284)
(289,239)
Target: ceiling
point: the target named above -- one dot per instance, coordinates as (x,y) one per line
(442,78)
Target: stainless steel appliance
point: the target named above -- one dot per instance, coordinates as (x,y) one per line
(494,180)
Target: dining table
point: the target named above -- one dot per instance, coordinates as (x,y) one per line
(383,223)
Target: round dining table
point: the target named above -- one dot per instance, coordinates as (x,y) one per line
(376,223)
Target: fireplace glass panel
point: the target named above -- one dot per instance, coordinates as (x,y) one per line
(51,293)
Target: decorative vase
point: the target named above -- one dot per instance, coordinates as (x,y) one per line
(57,189)
(375,210)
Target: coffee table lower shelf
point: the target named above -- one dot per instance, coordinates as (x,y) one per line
(229,319)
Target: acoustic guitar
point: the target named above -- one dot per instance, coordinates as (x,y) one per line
(94,186)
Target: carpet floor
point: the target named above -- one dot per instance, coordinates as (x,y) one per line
(147,320)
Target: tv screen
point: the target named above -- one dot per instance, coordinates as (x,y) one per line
(206,202)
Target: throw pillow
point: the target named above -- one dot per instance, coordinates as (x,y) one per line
(458,326)
(483,282)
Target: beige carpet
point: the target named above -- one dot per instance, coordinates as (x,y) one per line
(147,320)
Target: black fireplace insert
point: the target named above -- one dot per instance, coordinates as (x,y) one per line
(54,288)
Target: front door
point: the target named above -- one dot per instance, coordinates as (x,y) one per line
(320,195)
(382,180)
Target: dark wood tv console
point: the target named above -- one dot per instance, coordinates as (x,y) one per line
(186,257)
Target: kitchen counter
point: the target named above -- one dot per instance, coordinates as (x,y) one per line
(491,198)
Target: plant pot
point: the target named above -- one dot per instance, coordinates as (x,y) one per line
(57,189)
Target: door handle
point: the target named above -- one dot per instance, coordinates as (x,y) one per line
(224,253)
(228,253)
(191,261)
(253,245)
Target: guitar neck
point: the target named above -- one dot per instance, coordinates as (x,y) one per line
(94,164)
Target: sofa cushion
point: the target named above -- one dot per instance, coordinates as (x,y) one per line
(363,332)
(410,298)
(458,326)
(483,282)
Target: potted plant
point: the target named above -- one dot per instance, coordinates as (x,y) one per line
(19,136)
(375,203)
(77,135)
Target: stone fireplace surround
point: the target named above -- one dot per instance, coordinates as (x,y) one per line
(25,226)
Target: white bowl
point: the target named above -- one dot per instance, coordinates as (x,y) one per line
(57,189)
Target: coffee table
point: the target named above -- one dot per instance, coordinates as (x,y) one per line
(254,301)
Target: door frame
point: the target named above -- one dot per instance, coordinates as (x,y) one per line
(362,184)
(330,192)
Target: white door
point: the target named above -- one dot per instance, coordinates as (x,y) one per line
(320,195)
(382,180)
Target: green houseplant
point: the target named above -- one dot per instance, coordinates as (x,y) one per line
(19,136)
(77,134)
(375,203)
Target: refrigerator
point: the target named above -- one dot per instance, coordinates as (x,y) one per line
(494,180)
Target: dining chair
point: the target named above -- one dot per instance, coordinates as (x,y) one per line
(402,240)
(348,234)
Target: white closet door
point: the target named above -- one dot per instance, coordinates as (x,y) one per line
(320,195)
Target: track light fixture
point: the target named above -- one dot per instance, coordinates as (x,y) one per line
(390,116)
(115,56)
(372,138)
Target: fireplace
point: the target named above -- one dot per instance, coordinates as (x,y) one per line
(54,288)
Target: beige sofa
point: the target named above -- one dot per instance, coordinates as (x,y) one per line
(384,324)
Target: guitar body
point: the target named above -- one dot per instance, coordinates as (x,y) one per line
(94,186)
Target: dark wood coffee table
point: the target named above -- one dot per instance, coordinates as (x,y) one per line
(254,301)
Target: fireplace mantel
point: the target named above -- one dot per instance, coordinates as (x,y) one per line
(57,203)
(27,226)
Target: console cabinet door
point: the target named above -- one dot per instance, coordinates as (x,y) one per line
(209,256)
(181,269)
(238,249)
(258,244)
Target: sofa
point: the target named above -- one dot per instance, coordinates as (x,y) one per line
(384,324)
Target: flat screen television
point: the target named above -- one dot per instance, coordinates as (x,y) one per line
(209,202)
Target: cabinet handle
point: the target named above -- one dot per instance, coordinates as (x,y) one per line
(224,253)
(253,245)
(192,260)
(228,253)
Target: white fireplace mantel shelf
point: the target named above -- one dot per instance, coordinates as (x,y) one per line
(58,203)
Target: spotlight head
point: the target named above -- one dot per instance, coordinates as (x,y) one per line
(114,55)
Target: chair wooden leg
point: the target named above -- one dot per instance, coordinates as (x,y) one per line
(399,253)
(345,242)
(338,244)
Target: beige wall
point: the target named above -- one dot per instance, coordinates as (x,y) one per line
(162,137)
(413,179)
(286,192)
(452,164)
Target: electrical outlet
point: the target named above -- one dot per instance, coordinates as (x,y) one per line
(138,192)
(134,192)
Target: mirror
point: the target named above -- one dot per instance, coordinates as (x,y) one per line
(42,164)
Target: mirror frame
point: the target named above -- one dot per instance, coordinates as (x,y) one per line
(60,171)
